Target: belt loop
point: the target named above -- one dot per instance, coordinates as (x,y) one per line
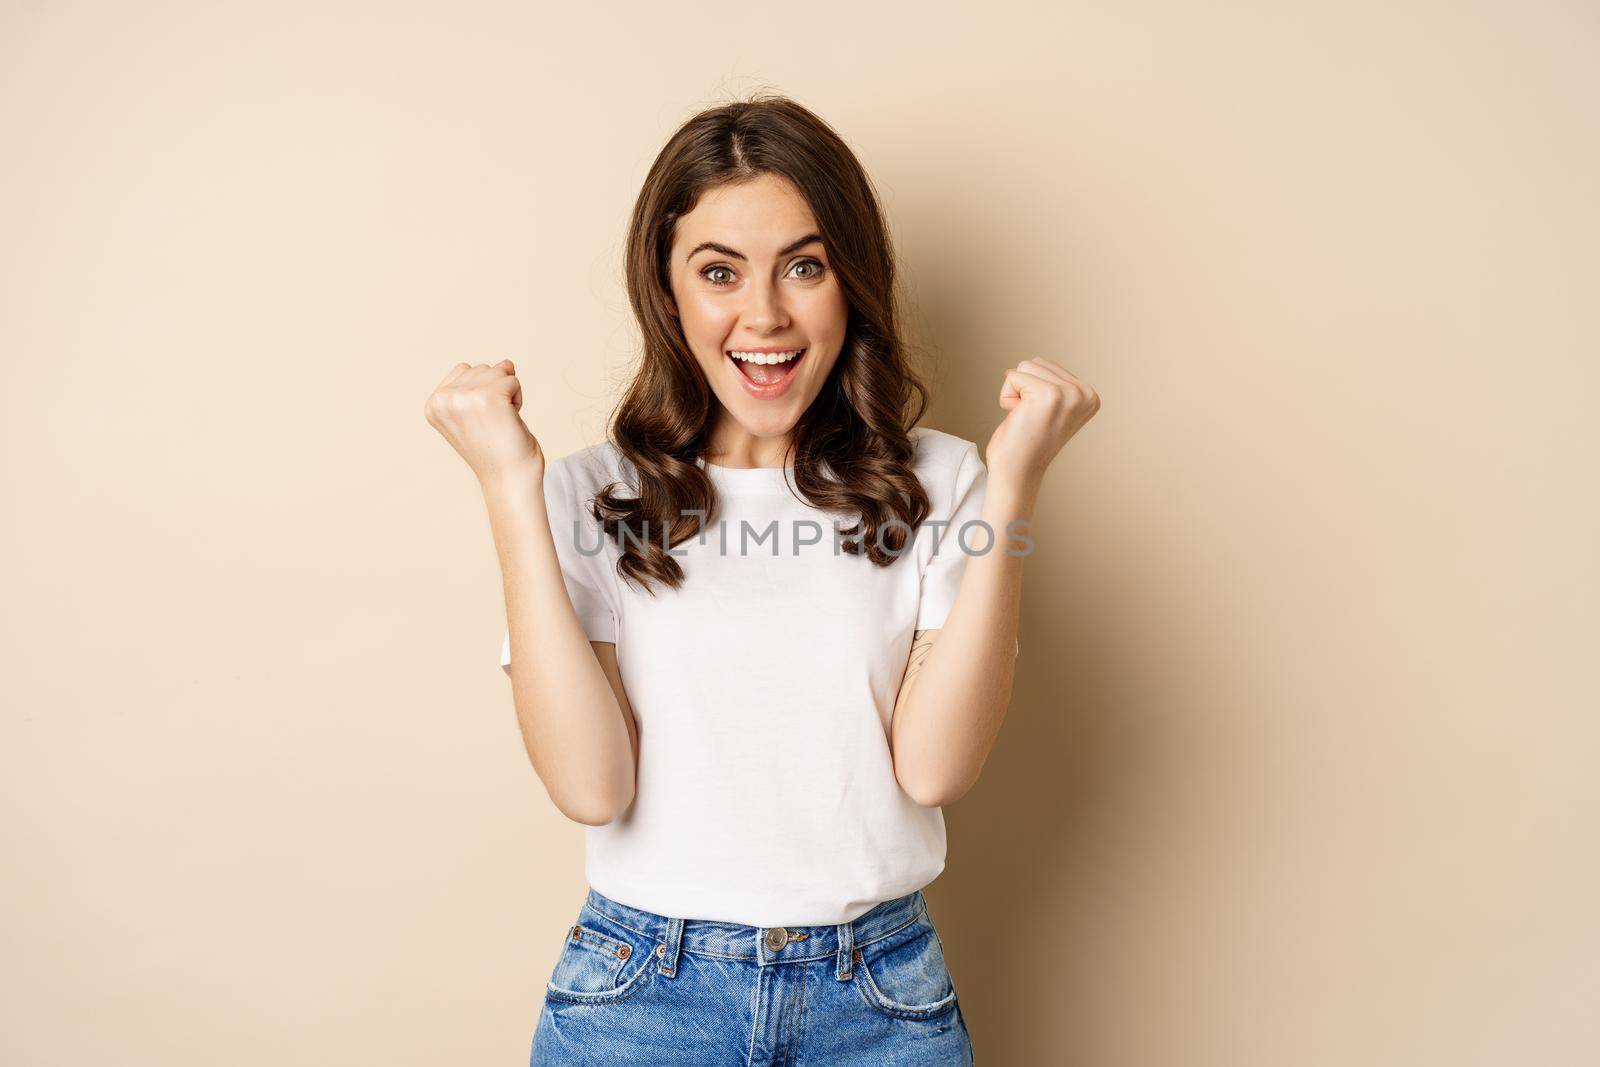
(670,947)
(847,949)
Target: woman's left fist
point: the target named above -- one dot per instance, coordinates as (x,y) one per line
(1045,406)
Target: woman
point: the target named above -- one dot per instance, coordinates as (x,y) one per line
(720,663)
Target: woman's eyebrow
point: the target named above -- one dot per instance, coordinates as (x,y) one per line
(725,250)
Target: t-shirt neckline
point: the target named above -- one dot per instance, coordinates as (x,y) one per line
(747,477)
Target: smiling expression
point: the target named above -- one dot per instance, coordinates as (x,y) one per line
(750,275)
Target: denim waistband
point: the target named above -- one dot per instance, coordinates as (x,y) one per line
(794,944)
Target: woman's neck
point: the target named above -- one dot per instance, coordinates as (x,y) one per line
(739,448)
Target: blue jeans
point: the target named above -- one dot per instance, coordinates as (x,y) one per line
(634,987)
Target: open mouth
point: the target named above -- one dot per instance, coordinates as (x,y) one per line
(765,371)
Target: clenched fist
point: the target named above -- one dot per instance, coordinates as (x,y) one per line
(477,409)
(1045,406)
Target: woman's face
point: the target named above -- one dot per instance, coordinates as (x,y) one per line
(750,275)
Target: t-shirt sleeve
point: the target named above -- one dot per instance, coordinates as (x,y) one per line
(941,575)
(585,562)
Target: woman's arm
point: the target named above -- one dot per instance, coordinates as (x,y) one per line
(606,653)
(959,677)
(945,724)
(575,719)
(576,723)
(577,728)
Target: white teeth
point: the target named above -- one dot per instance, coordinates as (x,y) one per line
(767,357)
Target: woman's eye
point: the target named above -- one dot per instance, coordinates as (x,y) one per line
(720,276)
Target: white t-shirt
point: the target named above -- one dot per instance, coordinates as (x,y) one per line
(763,690)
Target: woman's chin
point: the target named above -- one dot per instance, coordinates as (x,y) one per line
(761,418)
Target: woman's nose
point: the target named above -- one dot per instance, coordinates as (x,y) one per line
(765,311)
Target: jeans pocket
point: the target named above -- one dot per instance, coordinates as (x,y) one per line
(904,975)
(599,962)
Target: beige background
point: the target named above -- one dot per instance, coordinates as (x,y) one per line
(1302,767)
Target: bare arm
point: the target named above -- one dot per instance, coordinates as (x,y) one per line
(606,653)
(945,725)
(575,720)
(959,677)
(576,723)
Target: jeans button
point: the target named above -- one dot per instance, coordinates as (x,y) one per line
(777,937)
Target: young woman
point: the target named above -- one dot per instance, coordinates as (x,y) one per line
(720,661)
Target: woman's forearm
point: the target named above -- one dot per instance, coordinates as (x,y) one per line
(571,722)
(947,724)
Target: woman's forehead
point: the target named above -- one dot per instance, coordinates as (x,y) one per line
(757,217)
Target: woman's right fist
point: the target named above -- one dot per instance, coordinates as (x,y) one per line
(476,408)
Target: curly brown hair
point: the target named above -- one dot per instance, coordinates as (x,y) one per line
(852,448)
